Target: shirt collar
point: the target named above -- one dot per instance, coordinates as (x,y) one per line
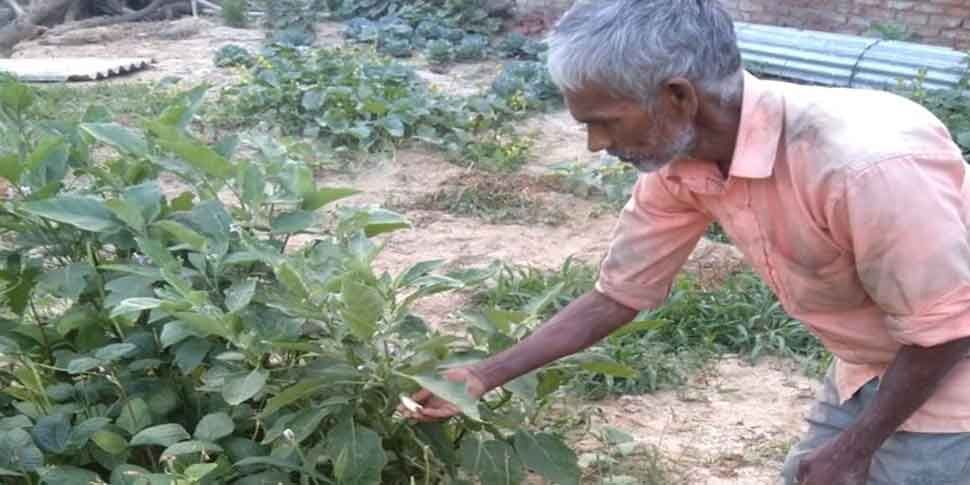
(756,148)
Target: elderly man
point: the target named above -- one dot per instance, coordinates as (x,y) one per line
(851,204)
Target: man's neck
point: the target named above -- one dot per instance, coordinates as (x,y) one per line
(717,133)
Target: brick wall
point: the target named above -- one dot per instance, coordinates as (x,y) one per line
(940,22)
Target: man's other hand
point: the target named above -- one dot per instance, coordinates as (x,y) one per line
(431,408)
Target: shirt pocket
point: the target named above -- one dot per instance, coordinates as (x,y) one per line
(830,288)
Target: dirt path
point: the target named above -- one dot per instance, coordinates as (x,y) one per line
(731,425)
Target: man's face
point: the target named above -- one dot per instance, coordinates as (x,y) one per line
(647,138)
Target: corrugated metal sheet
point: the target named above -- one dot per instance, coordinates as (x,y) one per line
(846,60)
(71,68)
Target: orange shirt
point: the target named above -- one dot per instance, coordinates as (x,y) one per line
(853,205)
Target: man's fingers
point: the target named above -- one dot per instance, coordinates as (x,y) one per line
(439,412)
(421,396)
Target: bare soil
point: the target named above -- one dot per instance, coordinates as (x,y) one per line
(731,425)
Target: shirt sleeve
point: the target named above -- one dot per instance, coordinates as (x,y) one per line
(652,240)
(905,220)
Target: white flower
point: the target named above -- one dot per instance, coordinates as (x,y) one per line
(289,435)
(234,228)
(25,189)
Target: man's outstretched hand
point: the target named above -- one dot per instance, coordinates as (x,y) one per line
(433,408)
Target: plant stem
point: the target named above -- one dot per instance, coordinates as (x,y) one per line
(43,333)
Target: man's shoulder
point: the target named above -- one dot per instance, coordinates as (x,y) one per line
(840,129)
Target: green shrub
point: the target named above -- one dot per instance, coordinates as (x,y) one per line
(231,55)
(234,13)
(183,334)
(470,15)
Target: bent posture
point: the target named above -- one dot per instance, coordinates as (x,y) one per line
(851,204)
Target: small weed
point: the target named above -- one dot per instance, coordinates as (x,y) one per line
(232,55)
(234,13)
(495,199)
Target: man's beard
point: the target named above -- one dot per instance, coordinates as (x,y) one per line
(680,147)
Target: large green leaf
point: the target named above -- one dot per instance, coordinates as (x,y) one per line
(52,433)
(85,429)
(47,163)
(131,305)
(11,168)
(191,353)
(183,234)
(357,453)
(124,139)
(18,451)
(68,475)
(161,435)
(214,427)
(321,197)
(548,456)
(292,222)
(637,327)
(109,441)
(204,324)
(135,416)
(85,213)
(253,185)
(128,213)
(363,308)
(239,389)
(190,447)
(193,152)
(129,475)
(380,221)
(68,281)
(493,461)
(113,352)
(292,394)
(601,364)
(240,294)
(453,392)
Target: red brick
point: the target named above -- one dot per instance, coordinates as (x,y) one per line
(945,21)
(750,6)
(962,12)
(869,2)
(901,4)
(913,18)
(878,14)
(926,32)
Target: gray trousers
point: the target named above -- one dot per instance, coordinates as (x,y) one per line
(905,458)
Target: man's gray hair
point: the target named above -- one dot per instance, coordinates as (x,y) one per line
(632,47)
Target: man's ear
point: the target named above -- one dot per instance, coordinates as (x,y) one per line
(680,95)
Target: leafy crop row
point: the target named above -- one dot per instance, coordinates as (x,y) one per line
(354,101)
(225,327)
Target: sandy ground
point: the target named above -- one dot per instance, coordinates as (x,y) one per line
(731,425)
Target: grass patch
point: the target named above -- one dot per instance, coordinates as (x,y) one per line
(126,101)
(495,199)
(696,325)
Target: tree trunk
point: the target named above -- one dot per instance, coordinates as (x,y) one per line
(31,23)
(112,20)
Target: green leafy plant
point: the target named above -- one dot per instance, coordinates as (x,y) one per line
(235,13)
(228,328)
(609,178)
(292,22)
(439,51)
(529,83)
(355,101)
(951,106)
(468,15)
(663,347)
(518,46)
(231,55)
(890,31)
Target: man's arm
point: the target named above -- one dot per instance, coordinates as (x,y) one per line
(585,321)
(907,385)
